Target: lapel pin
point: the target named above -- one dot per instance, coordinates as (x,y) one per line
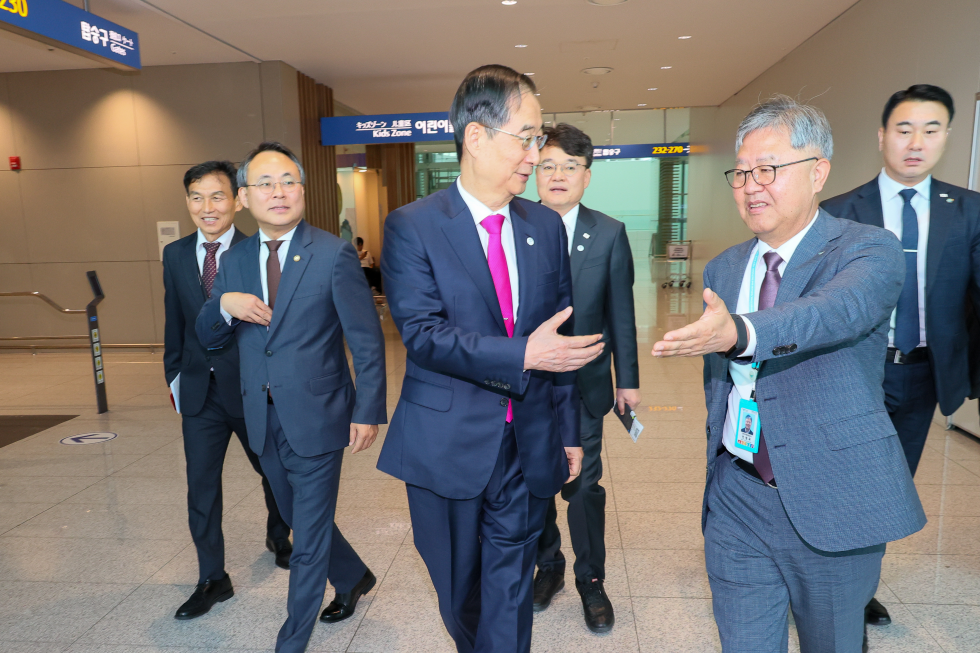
(943,195)
(296,258)
(586,236)
(581,248)
(950,200)
(530,241)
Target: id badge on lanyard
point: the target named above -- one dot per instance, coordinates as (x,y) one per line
(749,425)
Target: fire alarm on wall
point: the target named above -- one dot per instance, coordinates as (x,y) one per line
(15,163)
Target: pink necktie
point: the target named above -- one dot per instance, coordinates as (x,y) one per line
(501,280)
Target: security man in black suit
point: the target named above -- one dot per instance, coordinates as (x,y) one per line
(206,383)
(602,294)
(939,225)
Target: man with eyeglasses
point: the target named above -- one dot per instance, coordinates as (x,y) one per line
(487,425)
(939,225)
(797,514)
(602,291)
(291,295)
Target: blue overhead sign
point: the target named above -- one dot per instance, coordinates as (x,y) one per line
(657,150)
(391,128)
(65,26)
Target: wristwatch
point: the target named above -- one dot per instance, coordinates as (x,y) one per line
(741,342)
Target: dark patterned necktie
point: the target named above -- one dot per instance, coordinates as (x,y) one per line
(272,270)
(210,266)
(907,311)
(767,299)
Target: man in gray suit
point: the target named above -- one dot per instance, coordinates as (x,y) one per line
(291,295)
(602,294)
(798,514)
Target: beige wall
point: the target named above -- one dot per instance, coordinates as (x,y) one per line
(853,65)
(103,156)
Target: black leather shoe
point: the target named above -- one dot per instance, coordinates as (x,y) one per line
(599,615)
(344,604)
(282,549)
(876,614)
(204,597)
(547,583)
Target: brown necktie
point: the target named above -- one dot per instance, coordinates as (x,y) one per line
(272,270)
(210,266)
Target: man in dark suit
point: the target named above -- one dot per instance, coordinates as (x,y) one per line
(291,294)
(939,225)
(487,426)
(205,384)
(602,291)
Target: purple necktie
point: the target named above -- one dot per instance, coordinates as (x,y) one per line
(767,298)
(501,280)
(210,266)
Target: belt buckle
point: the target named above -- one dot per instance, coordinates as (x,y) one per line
(899,357)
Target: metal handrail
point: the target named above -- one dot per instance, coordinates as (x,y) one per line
(43,298)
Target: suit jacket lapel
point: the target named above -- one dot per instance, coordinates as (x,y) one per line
(250,266)
(941,217)
(465,242)
(584,225)
(527,263)
(808,254)
(868,205)
(729,285)
(292,272)
(192,274)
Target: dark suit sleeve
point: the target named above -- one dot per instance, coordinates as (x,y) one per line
(973,307)
(174,321)
(621,313)
(416,306)
(859,298)
(565,386)
(212,330)
(362,329)
(706,283)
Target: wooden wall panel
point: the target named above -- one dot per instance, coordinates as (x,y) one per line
(397,164)
(315,102)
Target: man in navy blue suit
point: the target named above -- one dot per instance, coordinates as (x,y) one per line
(205,384)
(487,426)
(291,295)
(939,226)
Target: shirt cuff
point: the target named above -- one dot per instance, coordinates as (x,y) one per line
(225,314)
(750,349)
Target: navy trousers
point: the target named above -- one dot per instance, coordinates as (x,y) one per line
(910,397)
(586,512)
(206,438)
(306,491)
(758,566)
(480,554)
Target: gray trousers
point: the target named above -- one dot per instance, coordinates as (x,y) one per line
(758,566)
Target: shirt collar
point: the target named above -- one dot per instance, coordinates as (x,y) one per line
(786,250)
(477,208)
(224,239)
(285,237)
(572,216)
(890,188)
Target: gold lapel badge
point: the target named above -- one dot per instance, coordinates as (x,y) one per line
(296,258)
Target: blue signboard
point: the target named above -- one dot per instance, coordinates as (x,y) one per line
(70,28)
(657,150)
(391,128)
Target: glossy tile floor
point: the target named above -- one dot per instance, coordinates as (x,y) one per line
(95,553)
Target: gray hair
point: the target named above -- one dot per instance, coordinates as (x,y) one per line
(807,125)
(483,97)
(268,146)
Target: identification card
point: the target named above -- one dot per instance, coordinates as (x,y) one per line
(630,422)
(747,427)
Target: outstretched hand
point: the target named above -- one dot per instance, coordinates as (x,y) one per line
(549,351)
(713,332)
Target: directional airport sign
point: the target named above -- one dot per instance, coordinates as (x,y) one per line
(89,438)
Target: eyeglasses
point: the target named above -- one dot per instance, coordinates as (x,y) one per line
(570,169)
(267,187)
(763,175)
(525,140)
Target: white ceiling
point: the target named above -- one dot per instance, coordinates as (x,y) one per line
(390,56)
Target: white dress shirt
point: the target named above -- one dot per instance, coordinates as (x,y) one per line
(742,374)
(891,209)
(224,242)
(480,211)
(570,219)
(263,259)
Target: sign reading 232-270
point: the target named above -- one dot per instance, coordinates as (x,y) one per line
(65,26)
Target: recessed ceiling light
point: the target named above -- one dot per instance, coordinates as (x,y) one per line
(523,45)
(537,95)
(641,105)
(683,38)
(597,70)
(529,74)
(606,3)
(652,89)
(508,2)
(665,67)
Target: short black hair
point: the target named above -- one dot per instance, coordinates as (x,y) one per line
(359,241)
(571,139)
(484,97)
(268,146)
(918,93)
(202,170)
